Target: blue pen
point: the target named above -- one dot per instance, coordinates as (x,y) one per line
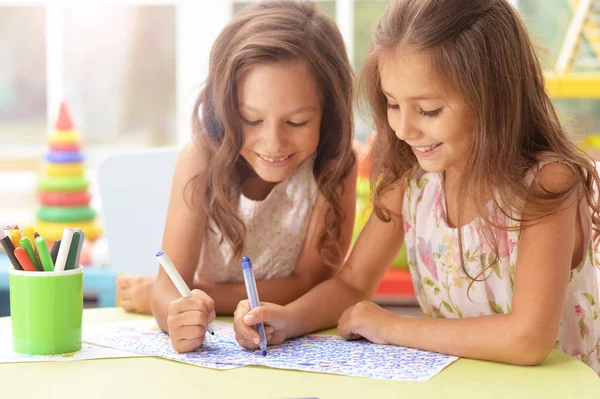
(253,298)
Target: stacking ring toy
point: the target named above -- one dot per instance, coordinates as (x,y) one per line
(53,183)
(65,169)
(65,147)
(67,198)
(64,137)
(65,214)
(64,156)
(53,231)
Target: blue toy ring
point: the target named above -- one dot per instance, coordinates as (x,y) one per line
(64,156)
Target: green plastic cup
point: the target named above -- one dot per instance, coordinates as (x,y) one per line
(46,310)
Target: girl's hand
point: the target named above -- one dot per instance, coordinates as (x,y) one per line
(134,293)
(273,316)
(366,320)
(188,320)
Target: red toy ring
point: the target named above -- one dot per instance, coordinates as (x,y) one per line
(65,198)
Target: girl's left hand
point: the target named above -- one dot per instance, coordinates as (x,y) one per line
(367,320)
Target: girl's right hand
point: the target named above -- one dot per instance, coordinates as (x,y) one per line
(188,321)
(273,316)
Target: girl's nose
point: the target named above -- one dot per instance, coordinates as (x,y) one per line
(404,128)
(273,139)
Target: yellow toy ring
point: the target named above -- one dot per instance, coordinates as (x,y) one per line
(65,169)
(53,231)
(64,137)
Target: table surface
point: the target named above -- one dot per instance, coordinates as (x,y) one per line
(560,376)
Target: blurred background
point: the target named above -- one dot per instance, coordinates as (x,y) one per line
(129,70)
(128,67)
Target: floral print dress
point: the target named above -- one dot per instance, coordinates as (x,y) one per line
(441,284)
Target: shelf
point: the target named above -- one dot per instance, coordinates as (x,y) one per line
(573,86)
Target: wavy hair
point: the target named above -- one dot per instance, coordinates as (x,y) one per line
(263,33)
(482,50)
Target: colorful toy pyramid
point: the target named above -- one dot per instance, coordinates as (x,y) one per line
(63,188)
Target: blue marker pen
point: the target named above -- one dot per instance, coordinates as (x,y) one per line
(253,298)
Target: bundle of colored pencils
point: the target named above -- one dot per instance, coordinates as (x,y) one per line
(29,251)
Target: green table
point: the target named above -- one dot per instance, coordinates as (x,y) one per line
(559,377)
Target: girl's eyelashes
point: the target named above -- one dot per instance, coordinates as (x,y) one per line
(251,123)
(292,124)
(259,121)
(430,114)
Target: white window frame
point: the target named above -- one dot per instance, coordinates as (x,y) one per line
(198,22)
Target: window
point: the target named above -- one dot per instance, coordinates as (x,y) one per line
(366,15)
(116,69)
(127,69)
(327,6)
(120,74)
(548,22)
(22,77)
(109,52)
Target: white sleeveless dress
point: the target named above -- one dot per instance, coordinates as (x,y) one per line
(275,231)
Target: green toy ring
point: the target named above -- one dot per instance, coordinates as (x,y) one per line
(60,183)
(65,214)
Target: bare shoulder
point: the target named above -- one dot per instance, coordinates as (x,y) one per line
(554,177)
(392,199)
(193,160)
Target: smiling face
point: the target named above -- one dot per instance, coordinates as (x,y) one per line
(281,114)
(435,123)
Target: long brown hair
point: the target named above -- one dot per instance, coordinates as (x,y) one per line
(264,33)
(482,50)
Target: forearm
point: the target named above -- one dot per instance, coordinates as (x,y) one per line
(498,338)
(280,291)
(321,307)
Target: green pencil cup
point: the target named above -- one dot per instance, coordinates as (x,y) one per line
(46,310)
